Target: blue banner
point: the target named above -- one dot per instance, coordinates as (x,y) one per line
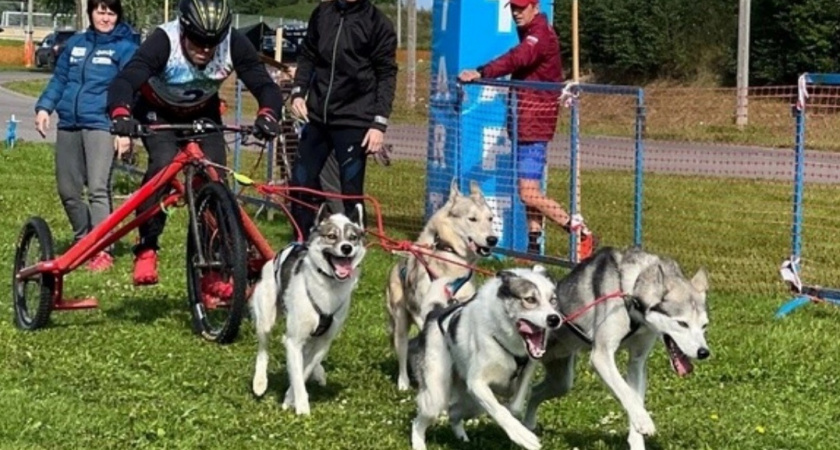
(468,137)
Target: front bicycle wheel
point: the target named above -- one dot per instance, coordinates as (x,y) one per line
(33,296)
(216,265)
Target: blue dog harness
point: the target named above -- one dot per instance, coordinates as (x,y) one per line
(452,288)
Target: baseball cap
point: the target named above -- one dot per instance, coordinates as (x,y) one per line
(522,3)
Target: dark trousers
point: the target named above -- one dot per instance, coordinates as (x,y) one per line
(316,143)
(162,148)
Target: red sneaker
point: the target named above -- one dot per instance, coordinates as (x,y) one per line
(101,262)
(215,290)
(145,268)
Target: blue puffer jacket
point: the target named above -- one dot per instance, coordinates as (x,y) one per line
(78,89)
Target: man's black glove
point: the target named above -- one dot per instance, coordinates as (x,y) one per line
(125,126)
(266,126)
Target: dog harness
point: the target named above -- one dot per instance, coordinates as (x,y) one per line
(632,304)
(520,360)
(289,261)
(451,288)
(449,329)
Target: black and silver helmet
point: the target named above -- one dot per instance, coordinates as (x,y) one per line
(204,22)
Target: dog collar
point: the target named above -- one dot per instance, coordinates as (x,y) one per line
(322,272)
(444,246)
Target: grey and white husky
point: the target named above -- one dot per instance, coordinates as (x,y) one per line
(457,235)
(651,300)
(468,353)
(311,284)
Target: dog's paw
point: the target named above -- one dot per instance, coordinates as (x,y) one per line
(643,424)
(524,438)
(288,400)
(260,384)
(460,433)
(636,441)
(417,444)
(418,438)
(302,408)
(403,384)
(319,375)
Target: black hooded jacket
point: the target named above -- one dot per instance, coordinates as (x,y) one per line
(347,65)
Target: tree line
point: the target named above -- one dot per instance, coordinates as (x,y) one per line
(638,41)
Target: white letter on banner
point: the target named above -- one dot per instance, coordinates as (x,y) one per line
(442,83)
(499,206)
(444,14)
(439,145)
(495,142)
(505,18)
(489,93)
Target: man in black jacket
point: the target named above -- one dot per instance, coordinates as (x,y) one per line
(344,88)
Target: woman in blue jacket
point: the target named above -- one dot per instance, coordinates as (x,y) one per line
(77,92)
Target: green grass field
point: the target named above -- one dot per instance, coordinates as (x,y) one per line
(131,374)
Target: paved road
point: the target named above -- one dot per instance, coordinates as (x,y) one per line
(605,153)
(683,158)
(22,107)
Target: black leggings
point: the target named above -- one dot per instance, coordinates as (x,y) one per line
(162,148)
(316,143)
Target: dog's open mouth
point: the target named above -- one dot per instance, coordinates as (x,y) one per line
(478,249)
(535,338)
(342,266)
(679,361)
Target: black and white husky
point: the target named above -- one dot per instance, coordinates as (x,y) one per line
(469,353)
(311,284)
(645,299)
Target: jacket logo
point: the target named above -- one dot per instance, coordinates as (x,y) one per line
(78,52)
(101,60)
(531,40)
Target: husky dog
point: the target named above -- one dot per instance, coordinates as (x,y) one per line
(652,300)
(469,352)
(461,231)
(311,284)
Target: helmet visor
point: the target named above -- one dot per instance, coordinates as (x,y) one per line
(205,40)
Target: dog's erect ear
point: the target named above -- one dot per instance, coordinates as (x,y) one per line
(358,215)
(651,278)
(323,213)
(453,190)
(475,191)
(505,275)
(700,281)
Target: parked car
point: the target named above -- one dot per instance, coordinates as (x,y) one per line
(292,40)
(48,50)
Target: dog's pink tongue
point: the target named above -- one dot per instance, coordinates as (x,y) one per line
(679,361)
(343,267)
(682,365)
(526,327)
(533,337)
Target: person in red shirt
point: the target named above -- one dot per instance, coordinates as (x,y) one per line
(535,58)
